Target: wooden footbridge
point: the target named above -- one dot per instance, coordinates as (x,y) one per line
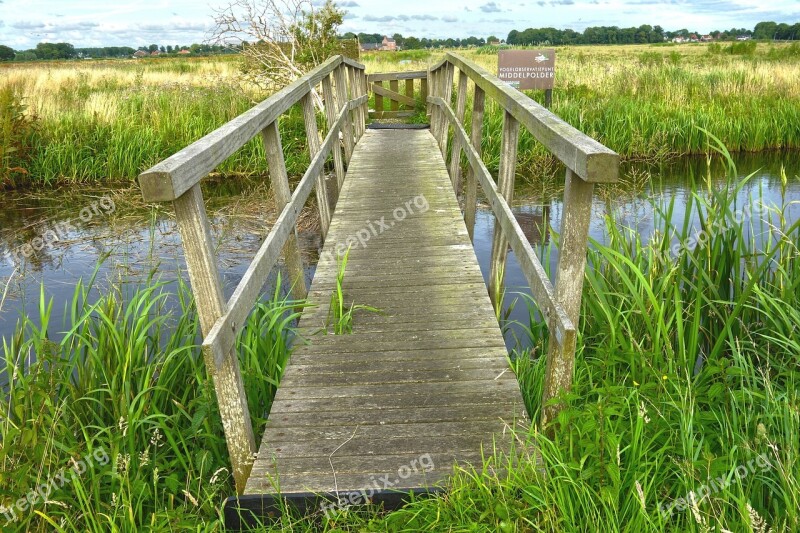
(389,408)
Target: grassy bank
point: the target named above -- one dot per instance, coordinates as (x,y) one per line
(109,120)
(684,415)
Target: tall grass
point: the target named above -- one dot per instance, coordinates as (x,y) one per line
(127,380)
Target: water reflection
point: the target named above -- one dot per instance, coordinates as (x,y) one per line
(136,240)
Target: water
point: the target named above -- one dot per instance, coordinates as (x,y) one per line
(68,231)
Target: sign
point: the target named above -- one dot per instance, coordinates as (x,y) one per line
(527,69)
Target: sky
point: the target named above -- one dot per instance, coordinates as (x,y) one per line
(86,23)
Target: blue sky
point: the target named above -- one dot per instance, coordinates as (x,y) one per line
(23,23)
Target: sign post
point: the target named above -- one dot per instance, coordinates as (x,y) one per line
(529,69)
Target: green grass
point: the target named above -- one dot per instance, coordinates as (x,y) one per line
(687,371)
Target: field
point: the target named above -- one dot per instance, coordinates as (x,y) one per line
(109,120)
(685,411)
(684,414)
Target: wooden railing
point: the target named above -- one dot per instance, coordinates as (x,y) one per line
(400,104)
(587,162)
(177,179)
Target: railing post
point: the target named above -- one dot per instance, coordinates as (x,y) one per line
(394,86)
(340,77)
(331,112)
(201,263)
(362,80)
(358,126)
(570,274)
(410,89)
(446,93)
(423,89)
(378,101)
(312,137)
(455,157)
(476,138)
(279,183)
(433,110)
(505,186)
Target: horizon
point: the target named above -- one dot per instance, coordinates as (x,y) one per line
(91,23)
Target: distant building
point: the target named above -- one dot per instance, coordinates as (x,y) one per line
(494,43)
(388,44)
(184,52)
(706,38)
(743,38)
(679,40)
(155,53)
(366,47)
(140,53)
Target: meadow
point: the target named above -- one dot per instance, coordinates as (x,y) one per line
(109,120)
(685,410)
(684,414)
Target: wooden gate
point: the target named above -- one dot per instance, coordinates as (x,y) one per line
(400,105)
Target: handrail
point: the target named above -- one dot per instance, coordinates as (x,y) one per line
(177,179)
(220,340)
(175,175)
(582,154)
(587,161)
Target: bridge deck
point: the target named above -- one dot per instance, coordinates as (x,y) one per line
(416,388)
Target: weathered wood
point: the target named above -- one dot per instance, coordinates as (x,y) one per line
(220,339)
(575,220)
(312,139)
(446,92)
(405,75)
(476,137)
(364,92)
(394,96)
(455,156)
(279,183)
(175,175)
(340,77)
(561,327)
(394,86)
(201,263)
(379,107)
(358,122)
(505,186)
(391,114)
(437,345)
(423,90)
(585,156)
(410,93)
(331,111)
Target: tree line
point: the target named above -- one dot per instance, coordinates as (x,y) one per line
(54,51)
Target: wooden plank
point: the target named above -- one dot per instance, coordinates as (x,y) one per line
(505,187)
(313,141)
(540,285)
(394,96)
(175,175)
(204,277)
(378,98)
(340,78)
(570,273)
(476,138)
(331,110)
(222,336)
(410,93)
(279,184)
(583,155)
(455,157)
(446,95)
(394,100)
(406,75)
(431,374)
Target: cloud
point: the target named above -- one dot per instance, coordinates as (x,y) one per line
(490,7)
(24,25)
(348,3)
(450,19)
(398,18)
